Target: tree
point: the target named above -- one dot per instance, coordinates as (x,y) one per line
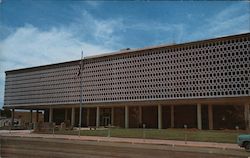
(5,113)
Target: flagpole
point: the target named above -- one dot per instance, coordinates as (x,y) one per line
(81,93)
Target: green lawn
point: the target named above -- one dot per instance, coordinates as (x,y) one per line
(170,134)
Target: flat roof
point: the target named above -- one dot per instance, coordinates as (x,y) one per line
(122,51)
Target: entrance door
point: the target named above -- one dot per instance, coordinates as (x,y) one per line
(106,120)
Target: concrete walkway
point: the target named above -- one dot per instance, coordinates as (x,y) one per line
(173,143)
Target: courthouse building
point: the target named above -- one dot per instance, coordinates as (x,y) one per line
(202,84)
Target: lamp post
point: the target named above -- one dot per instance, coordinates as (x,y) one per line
(143,131)
(185,126)
(237,130)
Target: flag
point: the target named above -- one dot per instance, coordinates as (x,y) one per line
(80,69)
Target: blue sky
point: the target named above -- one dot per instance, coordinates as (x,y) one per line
(39,32)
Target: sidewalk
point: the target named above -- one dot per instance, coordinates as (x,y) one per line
(26,133)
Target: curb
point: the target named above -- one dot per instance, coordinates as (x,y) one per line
(171,143)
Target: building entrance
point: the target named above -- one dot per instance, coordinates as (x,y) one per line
(105,116)
(106,120)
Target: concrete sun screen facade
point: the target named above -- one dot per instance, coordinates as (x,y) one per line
(203,84)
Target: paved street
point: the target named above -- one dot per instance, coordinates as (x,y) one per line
(43,147)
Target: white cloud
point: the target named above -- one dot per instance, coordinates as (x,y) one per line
(101,31)
(234,19)
(231,23)
(29,46)
(94,3)
(189,16)
(161,32)
(230,19)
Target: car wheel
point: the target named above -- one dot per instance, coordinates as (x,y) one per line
(247,146)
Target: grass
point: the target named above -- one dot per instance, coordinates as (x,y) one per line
(221,136)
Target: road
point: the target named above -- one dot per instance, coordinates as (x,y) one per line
(57,148)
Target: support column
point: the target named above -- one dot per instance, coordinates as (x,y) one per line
(112,116)
(172,116)
(45,111)
(97,116)
(246,115)
(37,115)
(31,116)
(199,121)
(66,115)
(140,115)
(210,117)
(80,117)
(73,117)
(50,115)
(126,117)
(87,117)
(12,116)
(159,117)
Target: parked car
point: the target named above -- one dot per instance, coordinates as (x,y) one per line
(244,141)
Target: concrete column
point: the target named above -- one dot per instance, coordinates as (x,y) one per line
(246,115)
(66,115)
(210,117)
(140,115)
(37,115)
(45,112)
(172,116)
(31,116)
(73,117)
(126,117)
(50,115)
(199,121)
(12,116)
(112,116)
(80,117)
(97,116)
(159,117)
(87,117)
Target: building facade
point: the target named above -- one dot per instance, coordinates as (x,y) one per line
(203,84)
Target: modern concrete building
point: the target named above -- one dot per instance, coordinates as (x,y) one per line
(203,84)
